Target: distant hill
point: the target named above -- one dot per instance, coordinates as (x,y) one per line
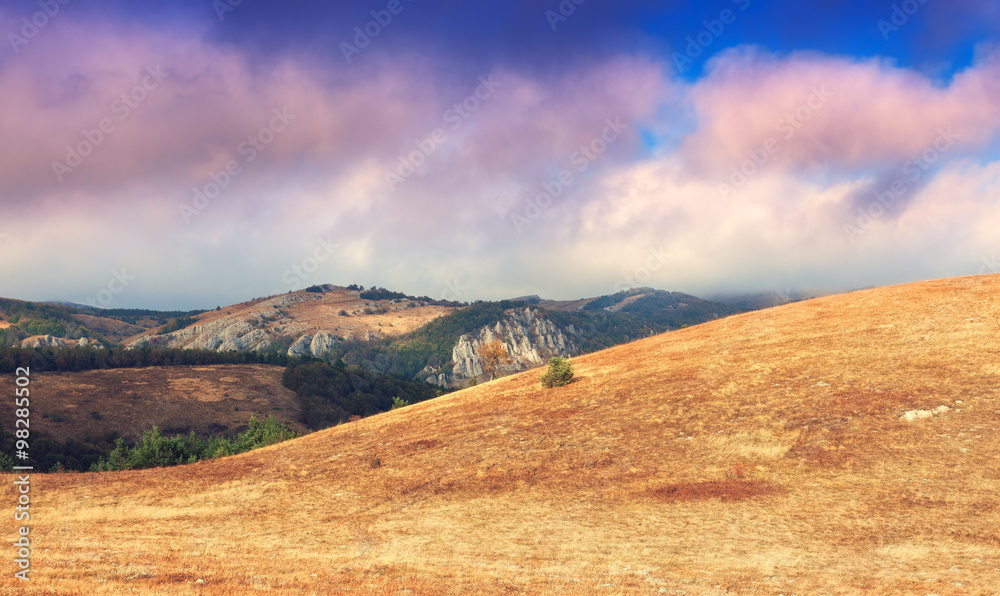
(381,329)
(27,323)
(758,300)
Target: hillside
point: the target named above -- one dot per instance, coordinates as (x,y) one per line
(315,319)
(382,330)
(615,484)
(31,324)
(206,399)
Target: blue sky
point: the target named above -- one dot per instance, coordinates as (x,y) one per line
(428,156)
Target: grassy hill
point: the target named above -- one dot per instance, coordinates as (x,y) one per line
(768,452)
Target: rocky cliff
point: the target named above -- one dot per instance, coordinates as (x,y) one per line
(530,338)
(48,341)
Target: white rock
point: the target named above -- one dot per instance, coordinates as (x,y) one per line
(912,415)
(300,347)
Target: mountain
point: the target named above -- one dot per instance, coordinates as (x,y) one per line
(35,324)
(383,330)
(307,322)
(840,445)
(758,300)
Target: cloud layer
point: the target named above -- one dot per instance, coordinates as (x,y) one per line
(212,175)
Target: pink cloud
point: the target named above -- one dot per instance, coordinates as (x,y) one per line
(822,111)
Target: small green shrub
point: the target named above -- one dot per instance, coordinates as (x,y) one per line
(560,372)
(398,402)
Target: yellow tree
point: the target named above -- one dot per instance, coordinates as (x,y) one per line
(493,354)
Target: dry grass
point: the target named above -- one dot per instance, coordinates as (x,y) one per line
(615,484)
(205,399)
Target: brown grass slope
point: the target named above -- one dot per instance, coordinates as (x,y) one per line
(615,484)
(209,400)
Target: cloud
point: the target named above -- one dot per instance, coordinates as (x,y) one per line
(472,151)
(834,113)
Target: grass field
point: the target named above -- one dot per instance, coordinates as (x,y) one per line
(759,454)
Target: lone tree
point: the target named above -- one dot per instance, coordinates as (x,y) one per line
(493,354)
(560,372)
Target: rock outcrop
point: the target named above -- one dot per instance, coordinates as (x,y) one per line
(48,341)
(321,344)
(229,334)
(530,338)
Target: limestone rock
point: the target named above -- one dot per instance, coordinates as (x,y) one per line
(321,344)
(530,338)
(300,347)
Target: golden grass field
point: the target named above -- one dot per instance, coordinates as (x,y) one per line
(627,481)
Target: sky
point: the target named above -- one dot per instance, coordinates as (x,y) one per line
(192,154)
